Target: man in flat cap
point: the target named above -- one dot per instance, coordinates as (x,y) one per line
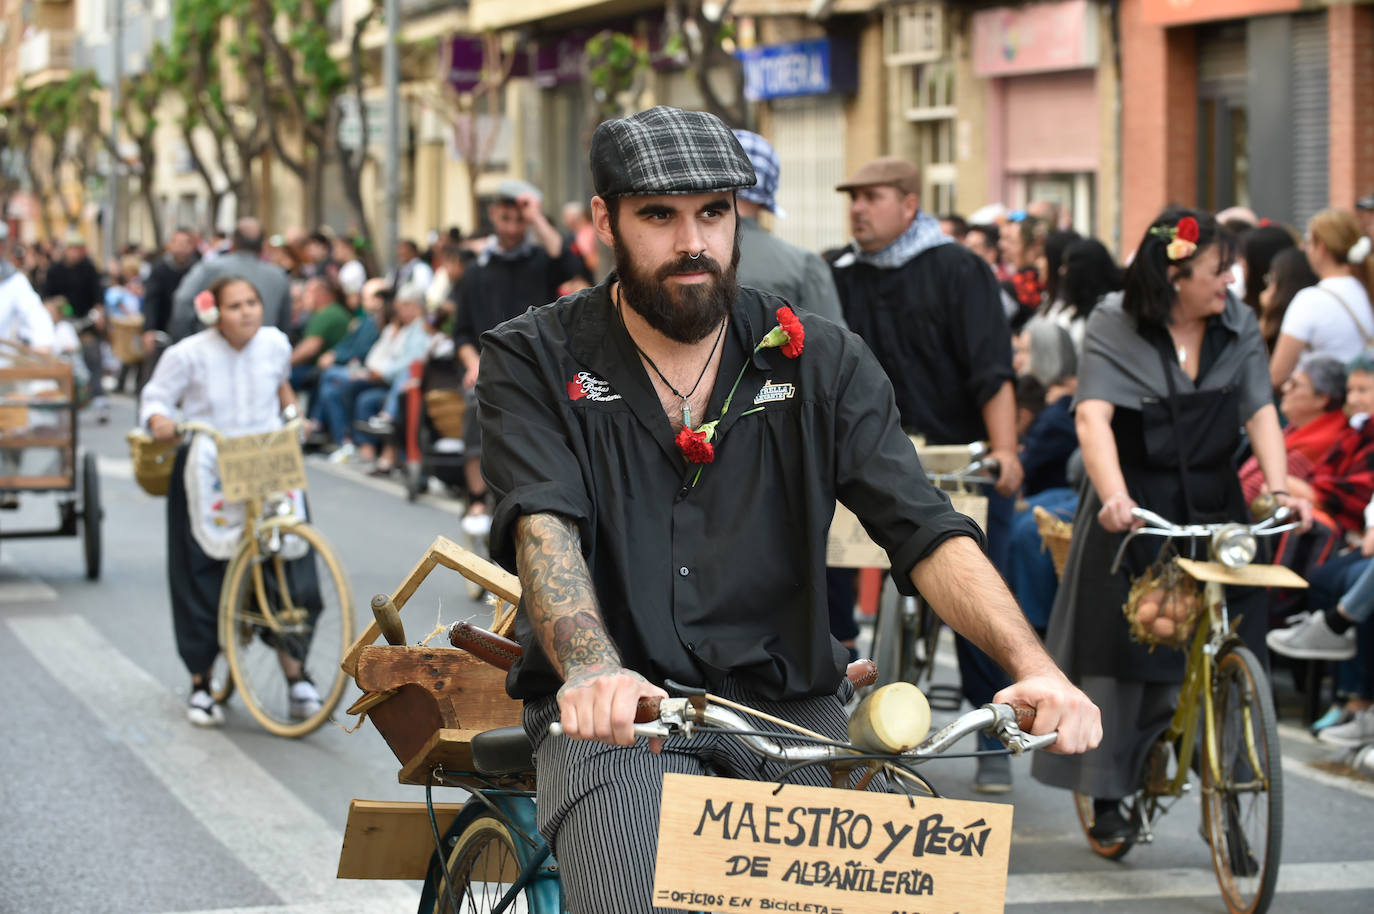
(660,535)
(932,313)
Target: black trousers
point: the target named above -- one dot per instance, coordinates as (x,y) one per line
(195,580)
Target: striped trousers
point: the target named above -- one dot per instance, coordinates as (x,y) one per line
(598,803)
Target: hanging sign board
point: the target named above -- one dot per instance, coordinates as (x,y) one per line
(732,845)
(255,466)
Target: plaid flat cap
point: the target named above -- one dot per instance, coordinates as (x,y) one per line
(667,151)
(765,161)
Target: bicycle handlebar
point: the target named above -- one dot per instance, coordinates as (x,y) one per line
(676,716)
(1281,521)
(191,426)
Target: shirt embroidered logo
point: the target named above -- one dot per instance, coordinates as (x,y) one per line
(588,386)
(772,393)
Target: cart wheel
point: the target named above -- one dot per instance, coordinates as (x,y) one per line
(91,515)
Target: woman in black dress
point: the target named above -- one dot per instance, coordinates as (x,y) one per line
(1172,369)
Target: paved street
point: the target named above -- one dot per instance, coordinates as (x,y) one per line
(111,802)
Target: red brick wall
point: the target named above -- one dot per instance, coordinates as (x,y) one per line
(1350,37)
(1158,120)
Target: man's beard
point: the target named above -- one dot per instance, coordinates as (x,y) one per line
(685,313)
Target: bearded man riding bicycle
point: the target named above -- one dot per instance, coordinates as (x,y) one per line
(666,449)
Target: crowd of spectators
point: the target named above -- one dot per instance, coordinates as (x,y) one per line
(363,341)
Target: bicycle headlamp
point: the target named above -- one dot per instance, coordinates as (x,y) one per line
(1234,546)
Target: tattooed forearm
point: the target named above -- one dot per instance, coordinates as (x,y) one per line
(559,598)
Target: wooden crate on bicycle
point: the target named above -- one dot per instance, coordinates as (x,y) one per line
(429,701)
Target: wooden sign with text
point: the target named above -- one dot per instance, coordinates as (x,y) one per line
(254,466)
(732,845)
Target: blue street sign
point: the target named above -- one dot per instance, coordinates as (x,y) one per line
(813,67)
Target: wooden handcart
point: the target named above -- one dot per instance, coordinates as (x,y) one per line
(38,447)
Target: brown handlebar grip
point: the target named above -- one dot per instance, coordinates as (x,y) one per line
(647,709)
(862,673)
(1025,716)
(388,619)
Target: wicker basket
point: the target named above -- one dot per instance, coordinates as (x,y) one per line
(446,409)
(153,461)
(1163,595)
(1056,534)
(126,338)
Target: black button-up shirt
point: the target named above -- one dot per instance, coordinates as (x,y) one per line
(936,324)
(727,575)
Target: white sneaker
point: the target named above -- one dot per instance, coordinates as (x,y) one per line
(1312,639)
(203,711)
(305,701)
(343,453)
(1357,732)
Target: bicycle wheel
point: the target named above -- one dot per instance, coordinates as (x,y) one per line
(481,867)
(275,611)
(1244,811)
(1111,850)
(904,638)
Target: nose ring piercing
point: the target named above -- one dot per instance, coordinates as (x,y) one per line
(696,256)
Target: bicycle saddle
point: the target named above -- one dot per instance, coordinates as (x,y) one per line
(502,752)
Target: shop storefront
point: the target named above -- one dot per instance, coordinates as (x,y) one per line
(804,85)
(1044,128)
(1262,109)
(1269,104)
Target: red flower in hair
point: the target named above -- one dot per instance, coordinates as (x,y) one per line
(695,444)
(1187,229)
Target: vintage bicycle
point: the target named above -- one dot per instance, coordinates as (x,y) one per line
(286,604)
(446,716)
(493,859)
(907,629)
(1224,725)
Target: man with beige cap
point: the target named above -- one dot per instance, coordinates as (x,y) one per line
(931,312)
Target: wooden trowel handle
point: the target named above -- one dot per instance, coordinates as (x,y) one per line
(388,619)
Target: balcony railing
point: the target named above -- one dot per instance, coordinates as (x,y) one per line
(46,50)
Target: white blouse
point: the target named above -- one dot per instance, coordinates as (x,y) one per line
(234,390)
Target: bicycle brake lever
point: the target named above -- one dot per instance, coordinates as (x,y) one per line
(1020,741)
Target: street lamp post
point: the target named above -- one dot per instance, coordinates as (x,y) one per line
(114,191)
(391,64)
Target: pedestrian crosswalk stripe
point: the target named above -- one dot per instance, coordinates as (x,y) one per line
(1112,882)
(18,586)
(245,802)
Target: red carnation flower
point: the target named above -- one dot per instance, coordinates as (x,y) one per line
(695,446)
(796,333)
(1187,229)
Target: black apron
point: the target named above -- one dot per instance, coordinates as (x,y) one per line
(1176,454)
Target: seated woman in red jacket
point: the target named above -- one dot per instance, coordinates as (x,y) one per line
(1313,401)
(1343,482)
